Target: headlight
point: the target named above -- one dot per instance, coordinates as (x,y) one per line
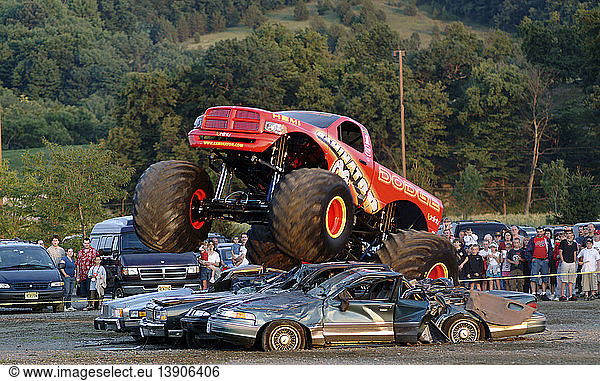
(238,315)
(4,285)
(193,269)
(275,128)
(198,313)
(160,315)
(117,312)
(198,121)
(137,314)
(57,284)
(130,271)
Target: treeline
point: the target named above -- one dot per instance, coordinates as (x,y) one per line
(85,70)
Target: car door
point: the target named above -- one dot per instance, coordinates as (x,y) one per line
(368,316)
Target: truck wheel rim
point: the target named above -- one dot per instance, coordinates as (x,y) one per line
(335,217)
(197,197)
(439,270)
(285,339)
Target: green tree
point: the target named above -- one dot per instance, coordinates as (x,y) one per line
(70,184)
(583,202)
(554,181)
(301,12)
(467,190)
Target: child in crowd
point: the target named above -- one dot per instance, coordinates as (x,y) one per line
(589,259)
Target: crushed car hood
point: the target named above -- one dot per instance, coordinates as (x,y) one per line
(275,302)
(173,301)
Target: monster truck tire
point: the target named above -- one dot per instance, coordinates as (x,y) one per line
(165,206)
(311,215)
(418,255)
(263,251)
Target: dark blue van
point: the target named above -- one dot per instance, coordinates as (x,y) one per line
(28,277)
(133,268)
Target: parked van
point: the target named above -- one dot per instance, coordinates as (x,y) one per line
(134,268)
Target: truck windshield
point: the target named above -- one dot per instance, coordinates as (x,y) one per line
(131,244)
(20,257)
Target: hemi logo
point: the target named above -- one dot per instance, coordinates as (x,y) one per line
(408,188)
(286,119)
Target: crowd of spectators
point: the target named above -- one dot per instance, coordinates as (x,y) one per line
(552,268)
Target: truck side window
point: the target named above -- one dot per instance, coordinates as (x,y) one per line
(350,134)
(105,245)
(95,242)
(115,244)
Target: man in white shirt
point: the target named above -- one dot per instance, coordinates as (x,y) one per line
(470,237)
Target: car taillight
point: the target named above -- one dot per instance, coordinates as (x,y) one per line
(532,304)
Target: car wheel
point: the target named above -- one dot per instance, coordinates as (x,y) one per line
(283,336)
(462,329)
(263,251)
(119,293)
(58,307)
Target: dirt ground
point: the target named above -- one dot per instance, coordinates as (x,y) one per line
(572,337)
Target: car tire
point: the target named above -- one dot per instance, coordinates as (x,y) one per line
(165,206)
(311,215)
(58,307)
(463,329)
(283,336)
(263,251)
(418,255)
(119,293)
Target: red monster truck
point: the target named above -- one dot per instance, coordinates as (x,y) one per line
(314,193)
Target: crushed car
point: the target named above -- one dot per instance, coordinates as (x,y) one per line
(362,306)
(163,318)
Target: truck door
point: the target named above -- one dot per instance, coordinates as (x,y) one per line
(354,161)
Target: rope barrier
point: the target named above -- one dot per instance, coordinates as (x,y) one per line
(526,276)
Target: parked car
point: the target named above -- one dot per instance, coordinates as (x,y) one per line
(125,314)
(479,227)
(303,277)
(28,277)
(576,227)
(366,306)
(220,238)
(134,268)
(527,231)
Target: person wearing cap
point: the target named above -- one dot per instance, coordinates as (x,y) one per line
(589,259)
(493,269)
(596,240)
(539,253)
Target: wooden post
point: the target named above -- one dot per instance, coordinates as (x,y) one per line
(400,54)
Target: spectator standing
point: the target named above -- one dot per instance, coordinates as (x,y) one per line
(204,271)
(470,237)
(589,259)
(474,267)
(56,252)
(507,237)
(461,237)
(493,272)
(516,257)
(67,267)
(555,264)
(506,267)
(514,230)
(539,252)
(568,250)
(462,258)
(484,252)
(581,235)
(447,224)
(97,277)
(86,257)
(596,240)
(243,248)
(448,234)
(212,262)
(40,242)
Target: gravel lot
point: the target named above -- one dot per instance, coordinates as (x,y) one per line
(572,337)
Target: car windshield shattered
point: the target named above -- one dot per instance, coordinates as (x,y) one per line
(22,257)
(334,283)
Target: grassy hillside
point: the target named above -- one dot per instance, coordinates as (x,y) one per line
(422,23)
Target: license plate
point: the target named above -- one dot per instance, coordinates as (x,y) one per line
(31,295)
(207,327)
(164,287)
